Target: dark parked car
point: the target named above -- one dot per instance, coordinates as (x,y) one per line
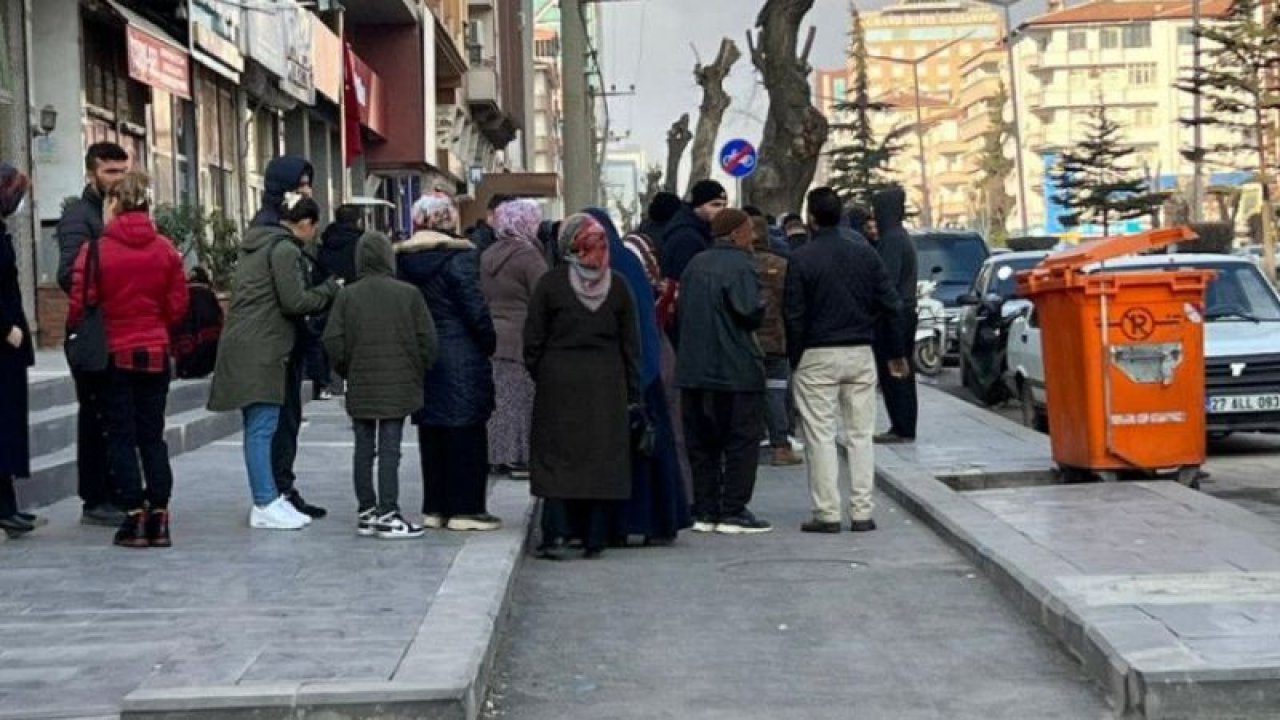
(951,259)
(986,311)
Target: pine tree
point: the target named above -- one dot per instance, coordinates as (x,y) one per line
(1236,84)
(860,168)
(994,202)
(1094,181)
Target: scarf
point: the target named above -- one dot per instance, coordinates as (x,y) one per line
(518,220)
(586,248)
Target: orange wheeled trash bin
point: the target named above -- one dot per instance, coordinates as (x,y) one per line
(1124,359)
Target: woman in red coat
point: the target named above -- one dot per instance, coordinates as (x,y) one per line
(142,292)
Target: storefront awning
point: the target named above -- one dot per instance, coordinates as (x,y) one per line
(155,58)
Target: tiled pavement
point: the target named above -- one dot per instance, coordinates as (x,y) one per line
(83,623)
(1170,597)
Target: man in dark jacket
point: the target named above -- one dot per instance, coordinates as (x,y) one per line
(721,377)
(777,241)
(898,253)
(337,254)
(658,216)
(773,342)
(837,294)
(690,230)
(796,231)
(858,219)
(285,175)
(81,222)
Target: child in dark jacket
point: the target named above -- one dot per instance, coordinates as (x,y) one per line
(381,339)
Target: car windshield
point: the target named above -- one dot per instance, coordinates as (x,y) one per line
(1007,288)
(959,256)
(1238,294)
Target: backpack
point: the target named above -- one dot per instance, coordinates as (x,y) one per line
(195,339)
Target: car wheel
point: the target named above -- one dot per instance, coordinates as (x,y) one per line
(1032,416)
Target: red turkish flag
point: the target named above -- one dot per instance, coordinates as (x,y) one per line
(351,108)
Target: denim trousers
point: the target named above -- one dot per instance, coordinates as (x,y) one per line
(380,439)
(260,422)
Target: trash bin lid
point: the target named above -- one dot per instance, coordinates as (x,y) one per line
(1065,268)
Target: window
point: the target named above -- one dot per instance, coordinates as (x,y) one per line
(1077,40)
(898,71)
(1142,75)
(1110,39)
(944,71)
(1144,117)
(1079,78)
(1137,36)
(219,185)
(1185,37)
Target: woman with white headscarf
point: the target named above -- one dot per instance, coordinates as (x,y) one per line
(458,397)
(509,271)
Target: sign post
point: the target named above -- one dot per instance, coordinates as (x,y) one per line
(738,159)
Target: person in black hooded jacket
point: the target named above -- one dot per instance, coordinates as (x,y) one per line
(898,253)
(337,254)
(289,174)
(689,232)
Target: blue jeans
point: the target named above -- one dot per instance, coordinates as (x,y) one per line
(260,422)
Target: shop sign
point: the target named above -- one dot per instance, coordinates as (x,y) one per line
(158,64)
(299,78)
(215,30)
(266,40)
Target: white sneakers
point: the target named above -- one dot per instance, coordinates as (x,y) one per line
(279,515)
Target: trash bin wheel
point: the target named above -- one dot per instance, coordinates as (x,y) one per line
(1190,476)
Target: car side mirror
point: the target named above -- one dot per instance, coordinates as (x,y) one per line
(935,270)
(969,299)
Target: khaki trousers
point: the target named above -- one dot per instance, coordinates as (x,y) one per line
(836,387)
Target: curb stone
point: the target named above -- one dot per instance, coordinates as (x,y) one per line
(444,673)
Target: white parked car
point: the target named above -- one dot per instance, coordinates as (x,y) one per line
(1241,343)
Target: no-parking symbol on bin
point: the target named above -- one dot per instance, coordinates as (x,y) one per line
(738,158)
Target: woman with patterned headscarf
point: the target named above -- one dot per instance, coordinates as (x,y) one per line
(582,346)
(453,441)
(509,271)
(16,355)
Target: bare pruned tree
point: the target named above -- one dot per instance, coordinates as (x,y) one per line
(715,101)
(794,131)
(678,139)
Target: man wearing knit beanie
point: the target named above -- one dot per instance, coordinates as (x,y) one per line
(721,377)
(689,232)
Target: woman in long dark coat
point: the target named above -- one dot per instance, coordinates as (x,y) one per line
(453,441)
(659,505)
(582,346)
(16,355)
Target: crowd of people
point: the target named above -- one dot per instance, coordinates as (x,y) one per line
(636,380)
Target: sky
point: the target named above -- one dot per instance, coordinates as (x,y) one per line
(647,43)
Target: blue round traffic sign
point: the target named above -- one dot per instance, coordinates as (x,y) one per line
(738,158)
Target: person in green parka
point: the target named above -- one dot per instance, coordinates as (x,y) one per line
(269,292)
(381,339)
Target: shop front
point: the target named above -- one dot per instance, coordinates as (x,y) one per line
(16,127)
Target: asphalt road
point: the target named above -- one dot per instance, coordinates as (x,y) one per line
(1242,468)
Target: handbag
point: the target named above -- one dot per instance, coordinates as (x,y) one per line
(86,343)
(644,437)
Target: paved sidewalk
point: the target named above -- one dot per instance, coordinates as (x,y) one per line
(83,623)
(893,624)
(1169,597)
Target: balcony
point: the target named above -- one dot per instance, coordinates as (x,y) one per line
(382,12)
(484,98)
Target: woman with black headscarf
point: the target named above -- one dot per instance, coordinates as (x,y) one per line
(582,348)
(16,355)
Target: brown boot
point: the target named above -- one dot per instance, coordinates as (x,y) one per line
(785,457)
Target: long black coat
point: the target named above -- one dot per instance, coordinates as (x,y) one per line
(459,387)
(586,366)
(15,455)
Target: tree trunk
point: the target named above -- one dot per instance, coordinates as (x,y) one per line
(678,138)
(652,185)
(794,131)
(715,101)
(1268,209)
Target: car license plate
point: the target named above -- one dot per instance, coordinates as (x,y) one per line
(1244,403)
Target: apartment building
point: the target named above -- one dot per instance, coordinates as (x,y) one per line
(830,89)
(1126,56)
(911,29)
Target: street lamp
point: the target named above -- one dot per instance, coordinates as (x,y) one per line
(926,206)
(1013,99)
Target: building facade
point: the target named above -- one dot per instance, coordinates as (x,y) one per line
(911,29)
(203,93)
(1125,56)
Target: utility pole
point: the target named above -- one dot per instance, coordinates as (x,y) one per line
(1197,179)
(581,180)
